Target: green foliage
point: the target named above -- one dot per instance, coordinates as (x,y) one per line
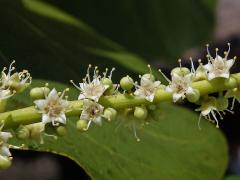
(57,40)
(55,34)
(232,178)
(171,146)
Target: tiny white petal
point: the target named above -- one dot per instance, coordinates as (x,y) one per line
(211,76)
(40,103)
(5,136)
(177,96)
(4,151)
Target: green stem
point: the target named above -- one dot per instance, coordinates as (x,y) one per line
(3,104)
(30,114)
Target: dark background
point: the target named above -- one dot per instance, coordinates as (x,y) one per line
(34,165)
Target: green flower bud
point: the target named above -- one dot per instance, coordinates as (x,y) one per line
(81,125)
(5,162)
(126,83)
(110,114)
(39,92)
(23,132)
(193,97)
(140,113)
(222,103)
(149,76)
(180,71)
(107,81)
(36,130)
(152,107)
(61,130)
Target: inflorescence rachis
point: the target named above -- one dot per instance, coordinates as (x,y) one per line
(98,99)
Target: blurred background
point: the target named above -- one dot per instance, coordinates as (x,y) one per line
(46,35)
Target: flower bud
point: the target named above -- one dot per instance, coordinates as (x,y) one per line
(61,130)
(5,162)
(222,103)
(110,114)
(107,81)
(39,92)
(126,83)
(36,130)
(23,132)
(149,76)
(81,125)
(140,113)
(182,71)
(193,97)
(152,107)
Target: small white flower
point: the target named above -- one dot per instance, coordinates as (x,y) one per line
(200,73)
(147,88)
(218,66)
(53,108)
(180,86)
(17,81)
(4,146)
(92,88)
(208,108)
(92,112)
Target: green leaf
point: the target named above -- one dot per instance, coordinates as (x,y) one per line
(171,146)
(232,177)
(46,35)
(44,38)
(155,29)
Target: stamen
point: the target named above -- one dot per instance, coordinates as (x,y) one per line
(233,102)
(105,73)
(215,118)
(165,77)
(221,117)
(192,65)
(135,133)
(199,120)
(11,69)
(111,72)
(228,51)
(150,69)
(216,49)
(180,63)
(88,73)
(88,125)
(232,112)
(71,81)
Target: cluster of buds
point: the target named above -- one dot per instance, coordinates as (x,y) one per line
(54,107)
(10,84)
(13,83)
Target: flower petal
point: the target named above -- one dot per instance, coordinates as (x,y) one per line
(40,103)
(46,118)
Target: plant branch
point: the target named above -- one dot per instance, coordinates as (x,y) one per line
(30,114)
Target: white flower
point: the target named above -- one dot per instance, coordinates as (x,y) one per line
(92,112)
(17,81)
(53,108)
(200,73)
(92,89)
(180,86)
(220,66)
(147,88)
(4,146)
(209,107)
